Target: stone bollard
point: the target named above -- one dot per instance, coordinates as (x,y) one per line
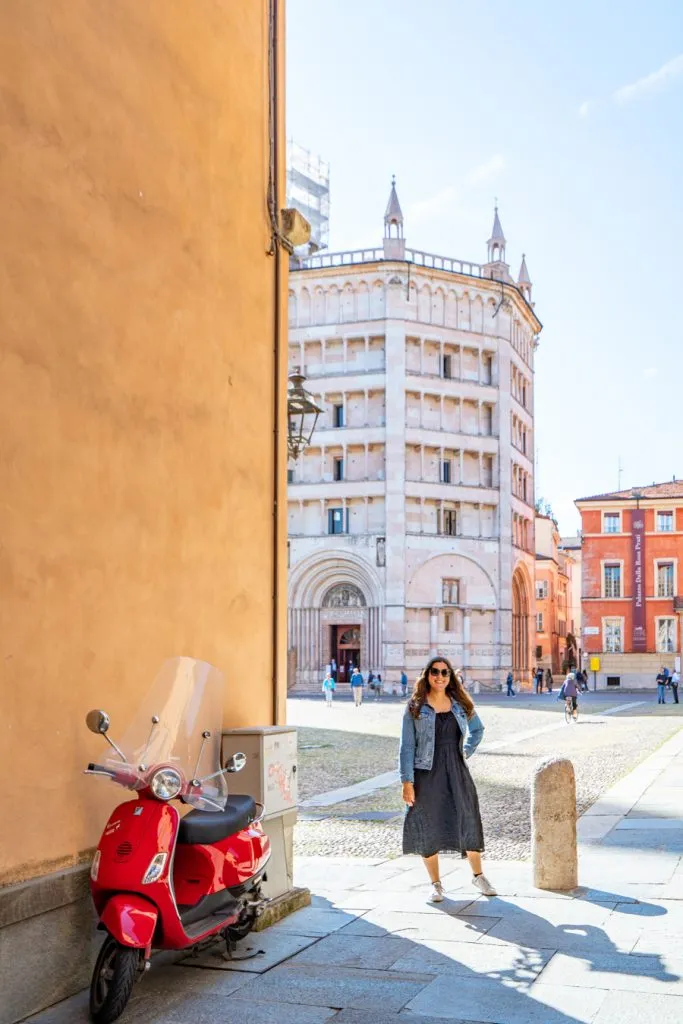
(553,825)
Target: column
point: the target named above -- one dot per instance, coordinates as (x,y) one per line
(441,416)
(422,515)
(466,637)
(367,406)
(441,373)
(323,525)
(395,501)
(460,361)
(323,352)
(433,631)
(345,344)
(422,463)
(479,424)
(481,469)
(440,462)
(367,469)
(367,516)
(422,356)
(422,400)
(346,422)
(302,357)
(461,465)
(323,452)
(367,351)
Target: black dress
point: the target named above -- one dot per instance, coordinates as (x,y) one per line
(445,817)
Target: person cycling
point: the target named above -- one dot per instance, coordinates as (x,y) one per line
(570,691)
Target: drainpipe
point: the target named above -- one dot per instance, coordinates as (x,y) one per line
(274,213)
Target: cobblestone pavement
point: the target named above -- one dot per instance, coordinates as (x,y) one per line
(343,745)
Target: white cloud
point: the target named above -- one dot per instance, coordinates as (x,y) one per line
(434,206)
(584,108)
(656,81)
(486,171)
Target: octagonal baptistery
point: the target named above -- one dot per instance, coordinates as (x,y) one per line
(411,514)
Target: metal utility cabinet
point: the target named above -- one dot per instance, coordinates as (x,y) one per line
(270,776)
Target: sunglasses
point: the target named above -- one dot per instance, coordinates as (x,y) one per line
(445,672)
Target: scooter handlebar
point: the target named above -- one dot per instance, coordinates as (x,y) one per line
(124,777)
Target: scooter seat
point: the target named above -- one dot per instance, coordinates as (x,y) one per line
(211,826)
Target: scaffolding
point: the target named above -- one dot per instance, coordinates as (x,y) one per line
(308,190)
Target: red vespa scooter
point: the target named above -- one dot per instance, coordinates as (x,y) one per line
(159,880)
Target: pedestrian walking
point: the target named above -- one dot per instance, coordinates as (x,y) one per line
(549,680)
(357,687)
(661,687)
(378,686)
(539,680)
(674,680)
(333,669)
(508,681)
(440,730)
(328,688)
(404,684)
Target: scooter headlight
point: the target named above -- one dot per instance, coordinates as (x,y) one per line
(95,866)
(155,869)
(166,784)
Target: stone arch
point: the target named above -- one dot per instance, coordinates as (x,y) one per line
(363,300)
(347,303)
(344,595)
(310,580)
(521,608)
(451,308)
(464,312)
(424,304)
(438,307)
(378,300)
(478,314)
(319,306)
(332,306)
(481,589)
(305,307)
(291,309)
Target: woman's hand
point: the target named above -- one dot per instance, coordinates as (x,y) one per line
(408,793)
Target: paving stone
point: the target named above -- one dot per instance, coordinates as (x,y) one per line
(313,921)
(670,840)
(271,946)
(375,1017)
(532,910)
(465,958)
(337,987)
(487,1000)
(344,950)
(345,899)
(640,1008)
(619,972)
(420,927)
(217,1010)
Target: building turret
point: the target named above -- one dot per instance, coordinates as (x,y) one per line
(394,242)
(496,267)
(524,281)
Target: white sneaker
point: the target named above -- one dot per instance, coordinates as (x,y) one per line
(436,895)
(484,886)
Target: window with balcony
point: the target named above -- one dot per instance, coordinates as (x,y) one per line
(541,590)
(447,366)
(448,622)
(338,415)
(487,419)
(665,579)
(613,640)
(487,370)
(450,591)
(539,622)
(487,468)
(338,468)
(611,522)
(337,521)
(612,580)
(445,471)
(666,635)
(665,522)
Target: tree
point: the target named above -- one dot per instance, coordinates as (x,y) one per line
(544,508)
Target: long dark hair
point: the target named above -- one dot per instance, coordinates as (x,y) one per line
(455,689)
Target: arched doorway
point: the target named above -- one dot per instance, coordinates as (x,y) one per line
(520,625)
(344,605)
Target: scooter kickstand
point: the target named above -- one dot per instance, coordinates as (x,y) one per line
(231,946)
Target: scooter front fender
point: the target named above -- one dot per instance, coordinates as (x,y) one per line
(131,920)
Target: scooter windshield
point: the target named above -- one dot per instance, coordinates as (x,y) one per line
(178,725)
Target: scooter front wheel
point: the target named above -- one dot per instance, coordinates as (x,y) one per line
(112,981)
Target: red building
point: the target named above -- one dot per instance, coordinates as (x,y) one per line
(632,546)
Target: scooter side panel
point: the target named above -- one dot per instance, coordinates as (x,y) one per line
(245,855)
(131,920)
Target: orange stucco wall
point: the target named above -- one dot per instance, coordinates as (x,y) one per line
(137,368)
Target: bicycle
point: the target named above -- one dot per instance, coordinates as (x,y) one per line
(571,712)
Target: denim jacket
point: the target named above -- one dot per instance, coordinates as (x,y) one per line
(417,738)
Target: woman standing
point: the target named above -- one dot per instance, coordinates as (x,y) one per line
(328,688)
(440,730)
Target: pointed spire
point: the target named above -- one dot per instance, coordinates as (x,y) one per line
(523,280)
(394,214)
(497,232)
(394,243)
(523,277)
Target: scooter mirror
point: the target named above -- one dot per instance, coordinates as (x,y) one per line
(97,721)
(236,763)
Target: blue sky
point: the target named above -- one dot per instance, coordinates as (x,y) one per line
(572,114)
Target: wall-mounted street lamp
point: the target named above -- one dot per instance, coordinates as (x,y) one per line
(302,415)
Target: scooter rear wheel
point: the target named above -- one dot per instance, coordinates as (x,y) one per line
(112,981)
